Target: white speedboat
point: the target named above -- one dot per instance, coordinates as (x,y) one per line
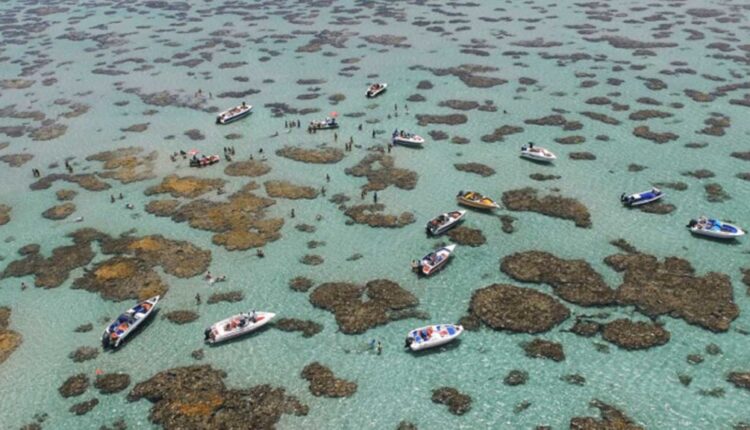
(432,336)
(641,198)
(714,228)
(324,124)
(236,325)
(536,153)
(204,160)
(434,261)
(444,222)
(407,139)
(234,114)
(376,89)
(475,200)
(125,324)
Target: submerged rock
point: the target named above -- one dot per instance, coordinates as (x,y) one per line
(499,134)
(384,175)
(196,397)
(84,353)
(130,273)
(373,216)
(308,328)
(182,316)
(450,119)
(323,155)
(527,199)
(521,310)
(507,222)
(671,287)
(740,379)
(239,223)
(634,334)
(324,383)
(586,328)
(9,339)
(539,348)
(185,186)
(111,383)
(301,284)
(478,168)
(126,164)
(353,314)
(644,132)
(457,402)
(4,214)
(574,379)
(467,236)
(516,377)
(229,297)
(83,408)
(87,181)
(251,168)
(84,328)
(74,386)
(573,280)
(59,212)
(288,190)
(611,418)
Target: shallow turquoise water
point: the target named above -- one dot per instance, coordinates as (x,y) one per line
(395,385)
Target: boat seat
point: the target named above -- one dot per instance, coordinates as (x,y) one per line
(451,330)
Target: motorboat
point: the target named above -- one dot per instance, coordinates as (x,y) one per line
(433,261)
(537,153)
(236,325)
(432,336)
(476,200)
(406,139)
(714,228)
(324,124)
(641,198)
(203,160)
(126,323)
(444,222)
(234,114)
(376,89)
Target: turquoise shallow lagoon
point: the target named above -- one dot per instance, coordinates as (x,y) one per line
(77,76)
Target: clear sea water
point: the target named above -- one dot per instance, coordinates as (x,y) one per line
(394,386)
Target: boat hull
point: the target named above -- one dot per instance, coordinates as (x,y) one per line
(133,318)
(374,93)
(642,198)
(438,335)
(536,157)
(220,335)
(442,256)
(230,119)
(442,228)
(477,204)
(410,143)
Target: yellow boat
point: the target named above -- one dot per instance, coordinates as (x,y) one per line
(476,200)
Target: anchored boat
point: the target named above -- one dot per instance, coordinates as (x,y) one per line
(376,89)
(536,153)
(236,325)
(234,114)
(444,222)
(641,198)
(324,124)
(476,200)
(433,261)
(407,139)
(203,160)
(432,336)
(125,324)
(714,228)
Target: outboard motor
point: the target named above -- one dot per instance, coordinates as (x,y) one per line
(105,341)
(207,334)
(692,223)
(408,342)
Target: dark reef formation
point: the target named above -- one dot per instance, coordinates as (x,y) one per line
(519,310)
(324,383)
(355,315)
(573,280)
(458,403)
(528,199)
(195,397)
